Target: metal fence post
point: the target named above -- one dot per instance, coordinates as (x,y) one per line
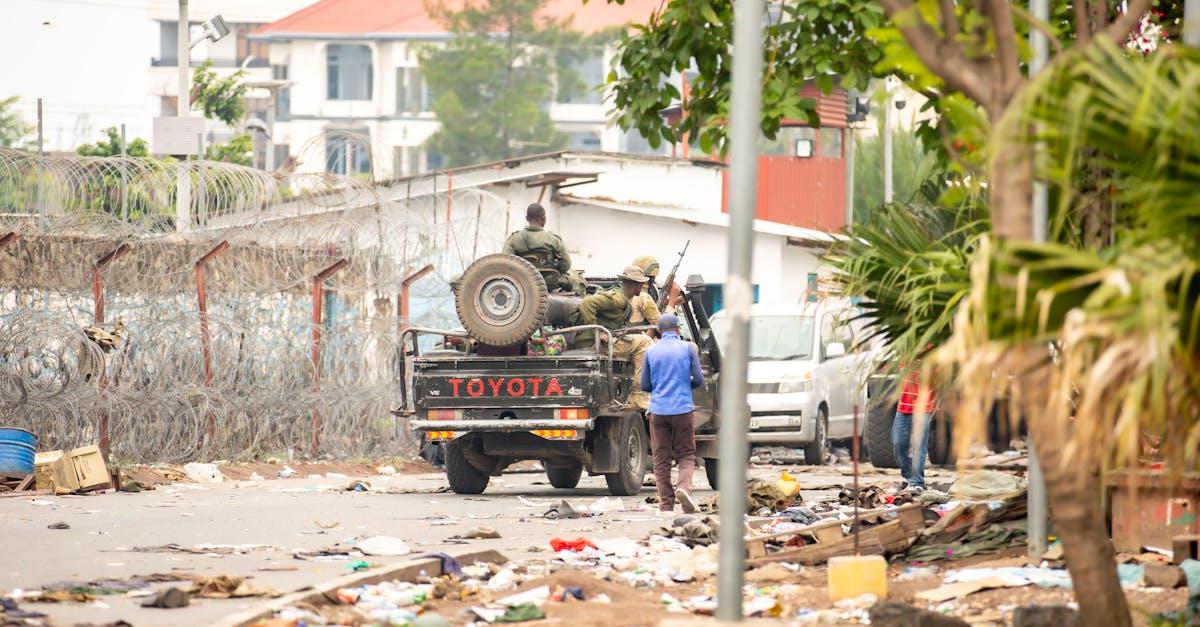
(318,302)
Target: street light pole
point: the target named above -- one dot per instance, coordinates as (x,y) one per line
(183,105)
(887,141)
(1038,517)
(732,445)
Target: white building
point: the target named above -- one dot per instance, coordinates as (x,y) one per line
(355,74)
(102,63)
(610,208)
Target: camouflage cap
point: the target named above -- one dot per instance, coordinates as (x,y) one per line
(635,274)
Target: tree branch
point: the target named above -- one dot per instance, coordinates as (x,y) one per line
(1005,33)
(942,56)
(1039,25)
(1118,30)
(950,25)
(1083,26)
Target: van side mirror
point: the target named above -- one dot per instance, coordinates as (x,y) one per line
(835,349)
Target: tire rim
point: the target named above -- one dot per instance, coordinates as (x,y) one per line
(499,299)
(635,454)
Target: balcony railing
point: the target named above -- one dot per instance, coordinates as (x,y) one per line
(173,61)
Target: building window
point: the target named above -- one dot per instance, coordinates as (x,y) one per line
(170,106)
(590,72)
(283,99)
(168,48)
(340,150)
(282,152)
(713,297)
(434,161)
(348,72)
(412,94)
(785,141)
(829,143)
(583,140)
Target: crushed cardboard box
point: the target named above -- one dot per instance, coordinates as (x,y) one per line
(77,470)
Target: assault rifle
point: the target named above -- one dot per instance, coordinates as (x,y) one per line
(670,282)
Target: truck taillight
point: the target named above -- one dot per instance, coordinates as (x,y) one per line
(444,414)
(571,413)
(438,436)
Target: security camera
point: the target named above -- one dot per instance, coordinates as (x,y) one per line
(900,104)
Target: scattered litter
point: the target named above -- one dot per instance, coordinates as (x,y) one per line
(535,596)
(771,573)
(41,502)
(506,579)
(578,544)
(386,471)
(205,549)
(254,476)
(521,614)
(562,511)
(359,565)
(335,475)
(58,525)
(328,524)
(478,533)
(286,472)
(987,485)
(171,598)
(358,485)
(567,593)
(203,473)
(383,546)
(227,587)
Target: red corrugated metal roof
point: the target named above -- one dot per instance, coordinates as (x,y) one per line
(411,17)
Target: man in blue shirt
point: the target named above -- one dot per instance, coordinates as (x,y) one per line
(670,372)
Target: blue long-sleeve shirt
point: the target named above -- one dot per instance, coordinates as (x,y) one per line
(670,372)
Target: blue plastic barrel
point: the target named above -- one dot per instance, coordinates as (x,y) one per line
(16,452)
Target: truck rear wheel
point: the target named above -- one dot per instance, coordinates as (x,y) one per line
(879,436)
(564,477)
(462,476)
(710,472)
(631,468)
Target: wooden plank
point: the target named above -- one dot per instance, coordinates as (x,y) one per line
(9,495)
(25,483)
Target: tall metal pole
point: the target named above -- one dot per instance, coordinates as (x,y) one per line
(269,158)
(1038,519)
(124,181)
(849,175)
(183,105)
(1191,23)
(732,446)
(887,142)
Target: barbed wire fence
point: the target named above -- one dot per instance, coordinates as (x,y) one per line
(102,337)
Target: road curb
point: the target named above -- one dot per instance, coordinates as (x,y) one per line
(324,592)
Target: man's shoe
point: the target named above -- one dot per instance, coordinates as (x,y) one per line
(686,502)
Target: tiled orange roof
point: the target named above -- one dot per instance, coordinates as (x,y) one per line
(411,17)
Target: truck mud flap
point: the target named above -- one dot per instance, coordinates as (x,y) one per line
(606,442)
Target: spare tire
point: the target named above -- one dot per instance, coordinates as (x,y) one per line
(501,300)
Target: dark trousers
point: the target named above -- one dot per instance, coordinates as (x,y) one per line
(673,438)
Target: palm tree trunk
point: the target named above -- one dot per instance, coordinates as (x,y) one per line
(1010,190)
(1079,519)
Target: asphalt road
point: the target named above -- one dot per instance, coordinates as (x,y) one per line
(284,513)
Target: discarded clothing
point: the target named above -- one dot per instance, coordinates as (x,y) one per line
(10,609)
(766,495)
(987,485)
(450,565)
(988,540)
(522,613)
(171,598)
(562,511)
(578,544)
(228,586)
(869,497)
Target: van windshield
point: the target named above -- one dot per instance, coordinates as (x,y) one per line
(774,338)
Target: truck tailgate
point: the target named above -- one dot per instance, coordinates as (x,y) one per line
(505,382)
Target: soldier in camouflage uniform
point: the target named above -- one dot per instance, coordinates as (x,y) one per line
(611,309)
(645,309)
(545,250)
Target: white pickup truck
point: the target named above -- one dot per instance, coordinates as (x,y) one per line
(806,375)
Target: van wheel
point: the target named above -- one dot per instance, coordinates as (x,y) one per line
(462,476)
(814,452)
(710,471)
(879,436)
(564,477)
(631,469)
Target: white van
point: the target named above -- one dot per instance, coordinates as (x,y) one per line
(806,376)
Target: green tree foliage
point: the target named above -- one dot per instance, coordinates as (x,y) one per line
(13,128)
(239,150)
(110,146)
(914,167)
(493,80)
(221,99)
(802,41)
